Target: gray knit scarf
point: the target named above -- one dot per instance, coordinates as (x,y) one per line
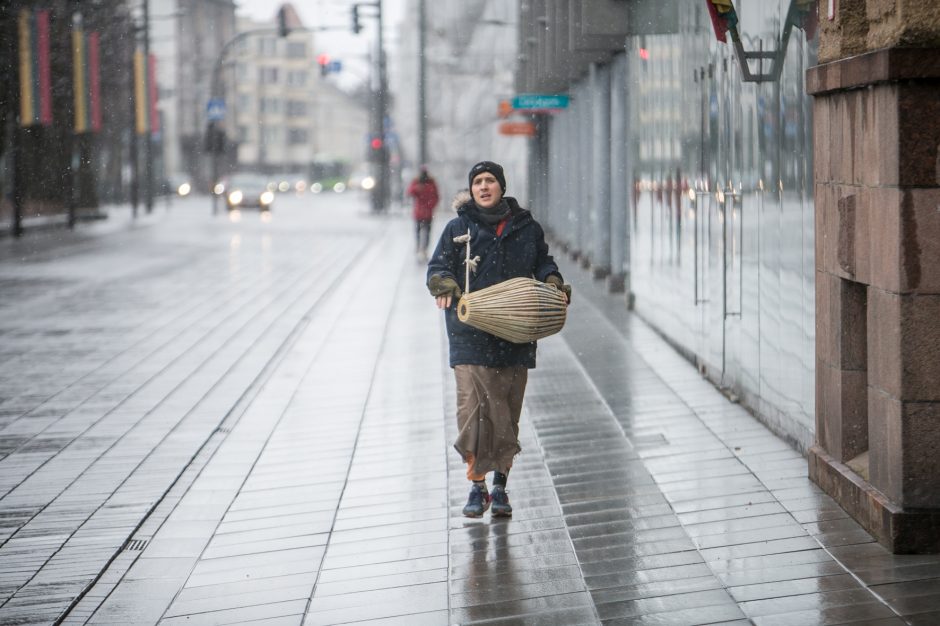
(495,214)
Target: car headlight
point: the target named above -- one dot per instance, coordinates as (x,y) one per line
(339,187)
(267,198)
(316,187)
(283,186)
(235,197)
(219,189)
(184,189)
(368,183)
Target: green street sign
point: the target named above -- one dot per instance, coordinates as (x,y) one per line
(540,101)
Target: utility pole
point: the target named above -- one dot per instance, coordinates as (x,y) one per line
(148,133)
(19,175)
(134,144)
(422,85)
(134,147)
(378,148)
(382,105)
(77,21)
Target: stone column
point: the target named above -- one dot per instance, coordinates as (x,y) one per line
(877,193)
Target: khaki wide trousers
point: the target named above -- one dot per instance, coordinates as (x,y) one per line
(489,402)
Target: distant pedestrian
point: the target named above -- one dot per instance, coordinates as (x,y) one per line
(491,373)
(424,191)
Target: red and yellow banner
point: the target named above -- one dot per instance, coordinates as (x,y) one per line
(140,93)
(35,78)
(152,95)
(79,83)
(145,94)
(86,81)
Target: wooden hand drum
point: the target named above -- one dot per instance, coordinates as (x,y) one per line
(519,310)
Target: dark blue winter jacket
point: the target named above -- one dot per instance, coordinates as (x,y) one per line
(520,251)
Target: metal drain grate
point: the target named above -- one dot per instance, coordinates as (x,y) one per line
(136,545)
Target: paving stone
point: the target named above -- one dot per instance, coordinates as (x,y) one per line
(248,600)
(791,587)
(374,604)
(372,583)
(528,608)
(387,569)
(290,609)
(867,611)
(204,592)
(721,614)
(612,589)
(431,618)
(511,589)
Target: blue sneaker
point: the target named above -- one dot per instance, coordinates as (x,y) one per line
(477,503)
(500,498)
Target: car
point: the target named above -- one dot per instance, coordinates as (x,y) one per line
(177,184)
(361,180)
(330,183)
(248,190)
(291,182)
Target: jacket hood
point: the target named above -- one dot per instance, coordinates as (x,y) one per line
(463,204)
(461,198)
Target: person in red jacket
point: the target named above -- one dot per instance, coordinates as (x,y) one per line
(424,190)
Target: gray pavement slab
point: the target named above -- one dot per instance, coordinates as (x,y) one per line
(255,427)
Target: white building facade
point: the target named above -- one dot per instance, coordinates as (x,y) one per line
(286,116)
(273,108)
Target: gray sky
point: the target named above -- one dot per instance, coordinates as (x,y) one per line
(340,44)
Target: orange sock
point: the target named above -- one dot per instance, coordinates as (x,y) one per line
(470,474)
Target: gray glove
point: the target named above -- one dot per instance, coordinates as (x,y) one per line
(441,286)
(555,279)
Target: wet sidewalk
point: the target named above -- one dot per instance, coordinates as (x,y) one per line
(250,422)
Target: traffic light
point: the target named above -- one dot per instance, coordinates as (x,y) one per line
(356,26)
(324,61)
(376,149)
(215,138)
(282,29)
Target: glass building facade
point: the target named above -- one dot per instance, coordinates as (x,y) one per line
(708,213)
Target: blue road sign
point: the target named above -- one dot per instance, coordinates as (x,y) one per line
(540,101)
(215,110)
(334,67)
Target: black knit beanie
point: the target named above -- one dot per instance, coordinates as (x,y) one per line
(488,166)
